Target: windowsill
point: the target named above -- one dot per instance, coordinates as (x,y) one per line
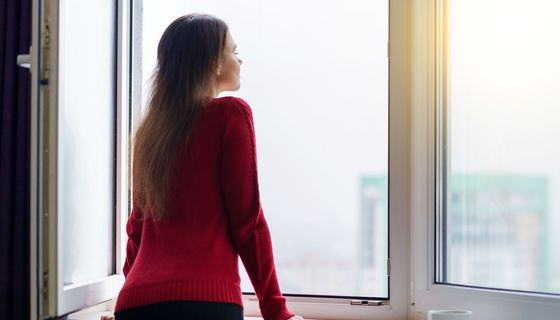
(103,309)
(96,315)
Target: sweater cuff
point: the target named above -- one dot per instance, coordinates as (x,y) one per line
(277,312)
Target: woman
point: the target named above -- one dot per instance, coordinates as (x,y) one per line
(196,199)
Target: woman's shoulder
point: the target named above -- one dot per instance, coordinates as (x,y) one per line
(230,104)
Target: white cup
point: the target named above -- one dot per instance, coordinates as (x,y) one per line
(449,315)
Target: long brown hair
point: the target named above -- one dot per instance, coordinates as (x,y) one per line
(187,54)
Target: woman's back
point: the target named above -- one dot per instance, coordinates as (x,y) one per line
(192,245)
(214,214)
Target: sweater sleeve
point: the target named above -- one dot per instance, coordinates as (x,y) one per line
(134,231)
(249,229)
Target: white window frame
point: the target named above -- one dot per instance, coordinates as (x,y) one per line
(48,296)
(427,89)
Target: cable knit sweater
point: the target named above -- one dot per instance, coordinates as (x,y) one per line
(215,216)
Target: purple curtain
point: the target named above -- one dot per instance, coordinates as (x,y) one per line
(15,97)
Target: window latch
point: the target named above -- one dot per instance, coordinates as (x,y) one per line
(365,303)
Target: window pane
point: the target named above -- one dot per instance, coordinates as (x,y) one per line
(315,74)
(86,139)
(503,179)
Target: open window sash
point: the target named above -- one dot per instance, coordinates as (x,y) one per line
(79,147)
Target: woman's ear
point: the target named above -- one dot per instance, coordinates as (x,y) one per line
(217,66)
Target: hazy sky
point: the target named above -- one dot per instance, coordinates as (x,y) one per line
(504,95)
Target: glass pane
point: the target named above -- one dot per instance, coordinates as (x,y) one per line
(503,196)
(315,74)
(86,139)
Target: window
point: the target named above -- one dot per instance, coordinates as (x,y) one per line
(317,80)
(502,179)
(78,156)
(316,76)
(86,139)
(486,89)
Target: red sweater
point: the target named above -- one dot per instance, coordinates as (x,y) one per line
(215,215)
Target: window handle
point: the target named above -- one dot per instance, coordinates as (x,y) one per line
(24,60)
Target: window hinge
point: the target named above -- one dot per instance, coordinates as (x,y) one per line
(388,267)
(45,288)
(412,297)
(46,46)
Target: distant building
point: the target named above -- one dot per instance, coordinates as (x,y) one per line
(497,232)
(373,239)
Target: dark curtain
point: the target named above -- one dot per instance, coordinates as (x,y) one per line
(15,98)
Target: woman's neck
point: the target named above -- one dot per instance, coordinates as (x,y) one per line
(212,92)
